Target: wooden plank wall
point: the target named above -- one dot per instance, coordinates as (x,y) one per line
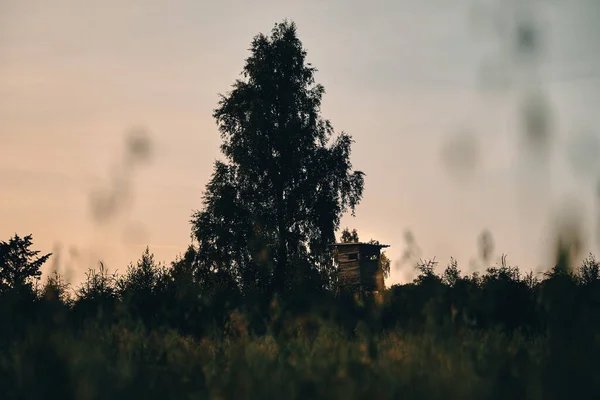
(359,271)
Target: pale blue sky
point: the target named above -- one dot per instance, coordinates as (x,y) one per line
(403,77)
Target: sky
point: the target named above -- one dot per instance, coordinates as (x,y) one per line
(434,93)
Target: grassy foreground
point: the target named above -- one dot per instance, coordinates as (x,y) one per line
(304,361)
(162,333)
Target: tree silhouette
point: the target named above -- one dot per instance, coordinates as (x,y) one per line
(19,265)
(384,262)
(277,199)
(349,237)
(144,276)
(142,285)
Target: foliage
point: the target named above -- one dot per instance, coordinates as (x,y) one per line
(56,289)
(276,202)
(349,237)
(165,332)
(589,271)
(19,265)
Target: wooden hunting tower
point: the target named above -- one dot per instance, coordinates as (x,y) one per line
(358,266)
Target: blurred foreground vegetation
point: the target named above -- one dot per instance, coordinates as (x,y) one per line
(162,332)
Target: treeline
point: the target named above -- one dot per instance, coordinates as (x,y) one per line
(557,316)
(182,297)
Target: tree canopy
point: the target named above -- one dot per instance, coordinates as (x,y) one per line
(276,200)
(349,237)
(19,264)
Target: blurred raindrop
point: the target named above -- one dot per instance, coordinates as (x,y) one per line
(461,154)
(74,262)
(486,246)
(583,153)
(56,256)
(409,238)
(411,251)
(568,237)
(106,203)
(598,211)
(536,123)
(527,37)
(139,145)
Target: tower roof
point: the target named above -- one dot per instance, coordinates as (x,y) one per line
(361,244)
